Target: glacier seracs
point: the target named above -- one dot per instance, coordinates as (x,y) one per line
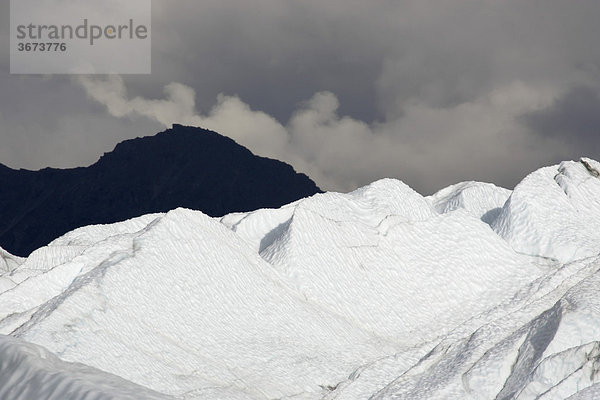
(475,292)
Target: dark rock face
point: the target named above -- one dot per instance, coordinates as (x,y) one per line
(180,167)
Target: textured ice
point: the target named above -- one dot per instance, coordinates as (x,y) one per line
(475,292)
(483,200)
(555,212)
(28,371)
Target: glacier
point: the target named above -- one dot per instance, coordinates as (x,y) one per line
(475,292)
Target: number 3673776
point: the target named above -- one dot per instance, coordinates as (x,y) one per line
(41,46)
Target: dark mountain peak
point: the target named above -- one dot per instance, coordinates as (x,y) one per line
(180,167)
(177,142)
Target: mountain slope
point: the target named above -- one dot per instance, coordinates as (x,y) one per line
(181,167)
(380,293)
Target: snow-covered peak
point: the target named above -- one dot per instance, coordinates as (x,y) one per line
(581,183)
(554,212)
(482,200)
(474,292)
(368,206)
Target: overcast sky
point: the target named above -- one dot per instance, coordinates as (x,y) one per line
(429,92)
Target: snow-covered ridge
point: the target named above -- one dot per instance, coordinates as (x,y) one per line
(555,212)
(475,292)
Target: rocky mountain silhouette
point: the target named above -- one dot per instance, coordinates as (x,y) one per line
(180,167)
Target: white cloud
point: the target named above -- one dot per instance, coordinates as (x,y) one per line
(179,104)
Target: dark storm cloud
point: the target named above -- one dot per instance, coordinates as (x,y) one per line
(274,53)
(573,117)
(431,92)
(383,53)
(47,121)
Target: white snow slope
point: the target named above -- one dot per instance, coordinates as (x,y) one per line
(475,292)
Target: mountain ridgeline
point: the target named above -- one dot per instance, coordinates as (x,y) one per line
(180,167)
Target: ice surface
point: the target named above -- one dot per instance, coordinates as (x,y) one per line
(483,200)
(8,263)
(28,371)
(475,292)
(555,212)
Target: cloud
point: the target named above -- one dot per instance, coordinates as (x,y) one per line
(377,57)
(573,117)
(178,106)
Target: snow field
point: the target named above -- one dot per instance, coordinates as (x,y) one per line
(475,292)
